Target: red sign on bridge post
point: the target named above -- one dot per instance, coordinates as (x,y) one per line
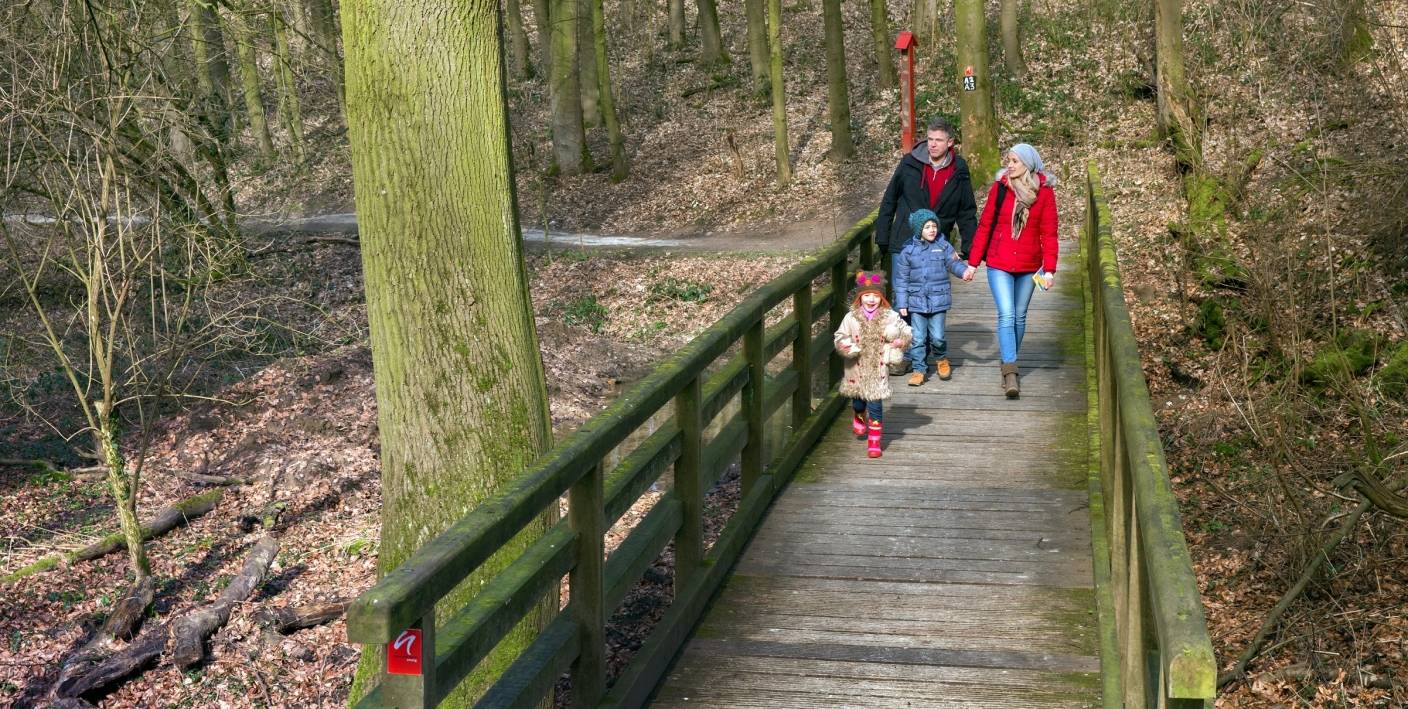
(404,655)
(907,45)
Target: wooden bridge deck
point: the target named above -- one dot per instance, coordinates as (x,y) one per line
(953,571)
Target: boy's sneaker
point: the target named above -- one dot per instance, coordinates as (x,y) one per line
(945,370)
(916,379)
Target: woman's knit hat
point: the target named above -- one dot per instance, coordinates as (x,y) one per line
(870,282)
(1032,159)
(918,217)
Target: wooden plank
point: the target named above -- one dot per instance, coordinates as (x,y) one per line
(587,587)
(1030,659)
(886,571)
(788,682)
(533,674)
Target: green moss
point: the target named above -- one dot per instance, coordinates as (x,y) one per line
(1211,324)
(40,566)
(1352,355)
(1393,377)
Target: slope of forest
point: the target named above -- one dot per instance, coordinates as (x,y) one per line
(1268,301)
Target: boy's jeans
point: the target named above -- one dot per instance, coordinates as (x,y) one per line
(928,335)
(1012,293)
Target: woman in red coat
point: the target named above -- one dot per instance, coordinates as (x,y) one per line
(1017,238)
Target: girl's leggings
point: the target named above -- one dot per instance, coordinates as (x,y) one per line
(876,409)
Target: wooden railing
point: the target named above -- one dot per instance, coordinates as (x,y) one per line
(697,382)
(1163,650)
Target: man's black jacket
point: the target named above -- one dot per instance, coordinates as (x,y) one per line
(906,193)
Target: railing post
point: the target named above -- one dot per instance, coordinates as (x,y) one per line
(802,356)
(587,515)
(840,288)
(752,457)
(689,540)
(413,691)
(867,254)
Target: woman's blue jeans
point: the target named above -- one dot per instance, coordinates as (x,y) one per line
(876,409)
(1012,293)
(928,337)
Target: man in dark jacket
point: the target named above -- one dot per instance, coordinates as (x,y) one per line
(932,177)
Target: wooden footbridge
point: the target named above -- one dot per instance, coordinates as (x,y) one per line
(1015,553)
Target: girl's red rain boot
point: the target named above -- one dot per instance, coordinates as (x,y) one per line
(858,423)
(872,441)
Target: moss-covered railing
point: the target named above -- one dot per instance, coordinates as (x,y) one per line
(694,385)
(1163,650)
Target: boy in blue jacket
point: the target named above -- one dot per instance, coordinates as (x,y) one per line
(922,292)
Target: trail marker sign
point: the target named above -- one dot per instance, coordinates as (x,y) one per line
(403,656)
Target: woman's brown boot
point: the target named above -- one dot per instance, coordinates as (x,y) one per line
(1010,385)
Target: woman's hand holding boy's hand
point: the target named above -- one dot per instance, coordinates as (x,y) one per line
(968,274)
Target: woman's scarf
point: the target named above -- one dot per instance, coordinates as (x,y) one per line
(1025,188)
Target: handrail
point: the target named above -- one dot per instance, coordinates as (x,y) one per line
(1161,631)
(406,597)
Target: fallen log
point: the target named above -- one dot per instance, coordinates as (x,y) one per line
(191,630)
(288,619)
(121,623)
(147,647)
(268,516)
(166,519)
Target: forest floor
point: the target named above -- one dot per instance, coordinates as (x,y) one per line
(296,414)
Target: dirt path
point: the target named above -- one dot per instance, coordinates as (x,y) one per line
(798,236)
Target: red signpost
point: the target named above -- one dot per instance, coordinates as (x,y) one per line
(906,43)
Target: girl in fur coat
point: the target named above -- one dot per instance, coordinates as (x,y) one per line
(871,337)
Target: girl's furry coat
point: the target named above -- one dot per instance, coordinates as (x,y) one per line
(866,347)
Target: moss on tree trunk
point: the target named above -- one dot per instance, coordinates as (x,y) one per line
(838,99)
(461,397)
(975,97)
(249,83)
(781,149)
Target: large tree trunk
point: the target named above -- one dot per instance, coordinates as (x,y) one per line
(1012,39)
(838,98)
(461,396)
(975,96)
(1175,102)
(541,17)
(323,22)
(608,101)
(249,82)
(781,149)
(711,38)
(518,39)
(757,15)
(569,142)
(290,109)
(924,23)
(212,66)
(880,32)
(676,23)
(586,66)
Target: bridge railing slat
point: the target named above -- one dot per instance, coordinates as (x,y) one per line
(695,394)
(1162,630)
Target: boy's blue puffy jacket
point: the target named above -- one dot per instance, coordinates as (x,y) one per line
(921,270)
